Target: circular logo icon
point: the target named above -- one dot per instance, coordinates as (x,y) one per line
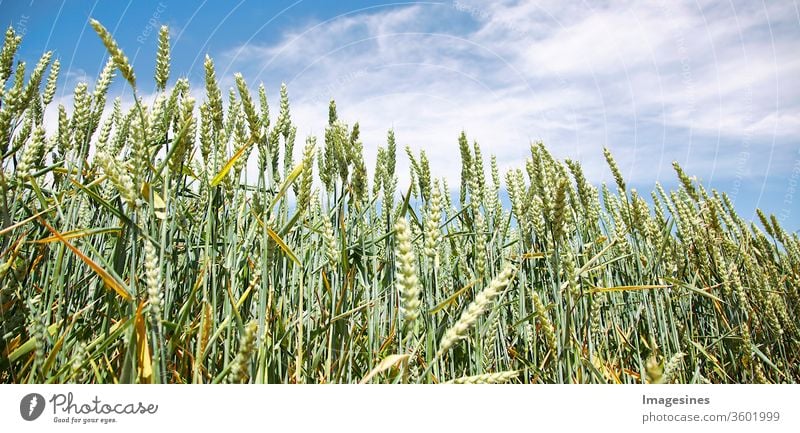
(31,406)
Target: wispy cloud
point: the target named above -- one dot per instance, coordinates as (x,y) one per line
(690,81)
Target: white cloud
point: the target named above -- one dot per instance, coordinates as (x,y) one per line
(656,83)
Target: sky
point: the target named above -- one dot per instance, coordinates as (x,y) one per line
(710,84)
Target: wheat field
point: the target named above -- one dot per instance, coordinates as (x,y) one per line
(136,249)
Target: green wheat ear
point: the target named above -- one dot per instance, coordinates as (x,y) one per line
(116,53)
(501,377)
(213,93)
(482,302)
(407,280)
(162,59)
(10,45)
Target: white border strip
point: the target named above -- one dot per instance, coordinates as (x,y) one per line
(402,408)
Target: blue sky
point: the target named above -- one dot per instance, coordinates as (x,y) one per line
(712,85)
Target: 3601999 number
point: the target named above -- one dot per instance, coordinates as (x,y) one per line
(763,416)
